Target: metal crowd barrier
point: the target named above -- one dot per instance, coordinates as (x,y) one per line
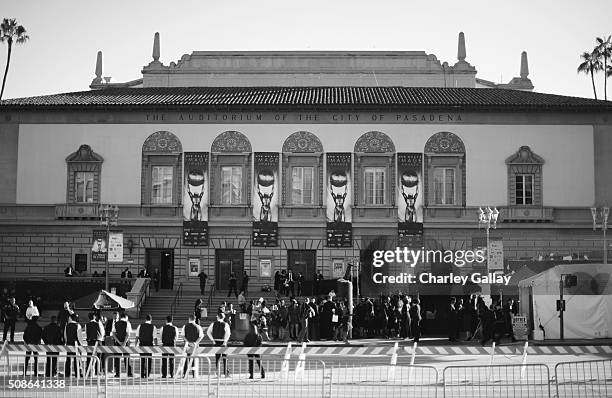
(374,379)
(584,379)
(47,375)
(497,381)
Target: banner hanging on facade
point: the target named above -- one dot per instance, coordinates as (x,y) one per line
(265,199)
(410,199)
(115,247)
(339,200)
(99,248)
(195,199)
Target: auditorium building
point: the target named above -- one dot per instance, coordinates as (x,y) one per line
(257,162)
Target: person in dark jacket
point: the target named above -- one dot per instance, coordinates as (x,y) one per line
(10,313)
(145,339)
(245,284)
(193,336)
(71,336)
(233,285)
(94,332)
(52,334)
(453,320)
(219,333)
(253,339)
(198,310)
(415,320)
(169,335)
(32,335)
(121,335)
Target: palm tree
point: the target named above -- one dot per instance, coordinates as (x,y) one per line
(590,65)
(604,50)
(11,33)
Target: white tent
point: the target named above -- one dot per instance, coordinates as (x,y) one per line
(109,300)
(588,312)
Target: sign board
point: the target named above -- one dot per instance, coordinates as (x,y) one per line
(99,247)
(194,266)
(265,268)
(496,254)
(338,267)
(115,247)
(519,327)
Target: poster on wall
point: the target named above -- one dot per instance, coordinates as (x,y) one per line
(194,266)
(494,261)
(265,199)
(339,200)
(338,267)
(115,247)
(99,247)
(195,199)
(410,199)
(265,268)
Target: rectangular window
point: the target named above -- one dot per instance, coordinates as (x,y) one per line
(161,184)
(444,186)
(83,187)
(301,185)
(524,189)
(231,185)
(374,184)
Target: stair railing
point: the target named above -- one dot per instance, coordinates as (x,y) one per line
(177,298)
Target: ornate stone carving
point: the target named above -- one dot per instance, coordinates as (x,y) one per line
(524,156)
(162,141)
(231,141)
(374,142)
(84,154)
(302,141)
(444,142)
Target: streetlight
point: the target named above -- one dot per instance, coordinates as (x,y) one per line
(488,218)
(601,213)
(109,216)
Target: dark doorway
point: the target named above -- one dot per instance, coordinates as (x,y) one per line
(226,262)
(304,262)
(162,259)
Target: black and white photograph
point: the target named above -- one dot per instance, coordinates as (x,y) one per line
(315,199)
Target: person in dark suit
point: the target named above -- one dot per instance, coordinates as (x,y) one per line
(233,285)
(169,335)
(453,320)
(9,314)
(32,335)
(145,339)
(202,275)
(72,338)
(121,335)
(94,332)
(156,279)
(415,320)
(253,339)
(52,334)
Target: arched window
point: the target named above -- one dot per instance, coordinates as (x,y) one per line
(445,170)
(302,170)
(161,170)
(84,169)
(374,170)
(231,169)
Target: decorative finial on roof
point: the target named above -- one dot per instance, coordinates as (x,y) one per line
(461,47)
(524,65)
(98,78)
(156,47)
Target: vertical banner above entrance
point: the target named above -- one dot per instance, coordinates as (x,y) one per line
(339,200)
(195,199)
(410,199)
(265,199)
(99,248)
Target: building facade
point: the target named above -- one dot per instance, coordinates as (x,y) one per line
(228,162)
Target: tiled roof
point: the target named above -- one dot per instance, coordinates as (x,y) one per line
(319,98)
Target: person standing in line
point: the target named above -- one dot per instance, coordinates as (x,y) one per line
(169,335)
(32,335)
(193,336)
(219,333)
(10,313)
(31,311)
(145,339)
(121,335)
(306,313)
(415,320)
(232,285)
(300,282)
(52,334)
(202,276)
(63,316)
(94,333)
(198,310)
(291,283)
(245,284)
(253,339)
(72,337)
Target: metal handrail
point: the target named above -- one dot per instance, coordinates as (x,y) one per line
(177,297)
(210,295)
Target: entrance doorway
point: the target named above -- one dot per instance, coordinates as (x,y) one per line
(226,262)
(304,262)
(162,259)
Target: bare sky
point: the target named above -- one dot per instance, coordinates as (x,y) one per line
(65,35)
